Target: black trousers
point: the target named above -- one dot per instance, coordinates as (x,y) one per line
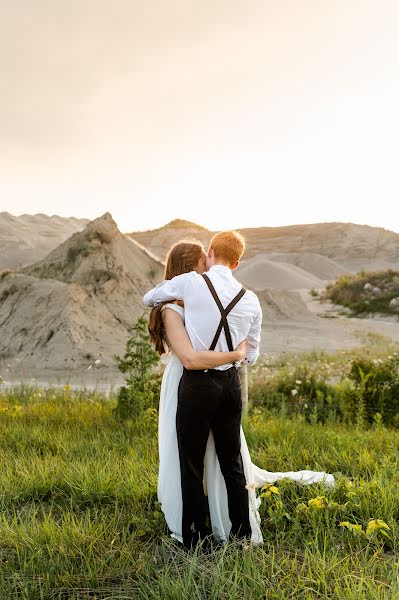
(210,400)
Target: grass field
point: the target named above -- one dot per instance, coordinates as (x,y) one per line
(79,515)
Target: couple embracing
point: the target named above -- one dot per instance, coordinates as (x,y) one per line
(210,325)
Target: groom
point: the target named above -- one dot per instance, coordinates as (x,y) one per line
(219,314)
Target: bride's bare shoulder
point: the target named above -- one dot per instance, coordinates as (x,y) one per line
(173,306)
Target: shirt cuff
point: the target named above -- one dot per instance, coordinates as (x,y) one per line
(250,360)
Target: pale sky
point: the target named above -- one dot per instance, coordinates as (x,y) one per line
(229,113)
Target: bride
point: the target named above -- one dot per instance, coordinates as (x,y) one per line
(167,332)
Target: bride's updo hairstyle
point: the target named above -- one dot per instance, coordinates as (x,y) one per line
(182,257)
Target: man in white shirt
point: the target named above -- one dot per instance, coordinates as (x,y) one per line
(219,314)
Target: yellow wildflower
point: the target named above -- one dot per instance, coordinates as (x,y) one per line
(319,502)
(355,529)
(376,525)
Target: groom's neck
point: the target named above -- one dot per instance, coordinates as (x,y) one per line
(221,262)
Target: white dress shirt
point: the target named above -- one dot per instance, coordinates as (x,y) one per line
(202,316)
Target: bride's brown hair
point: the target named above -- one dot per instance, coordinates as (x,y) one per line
(182,257)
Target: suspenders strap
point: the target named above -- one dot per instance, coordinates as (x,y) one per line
(224,312)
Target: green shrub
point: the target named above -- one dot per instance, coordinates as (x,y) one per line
(9,292)
(72,254)
(350,291)
(301,392)
(376,389)
(365,393)
(151,273)
(142,387)
(5,273)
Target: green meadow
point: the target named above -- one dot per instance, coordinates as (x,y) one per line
(79,516)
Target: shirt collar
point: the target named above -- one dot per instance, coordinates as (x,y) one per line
(221,268)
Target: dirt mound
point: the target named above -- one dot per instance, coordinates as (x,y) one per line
(158,241)
(316,264)
(284,305)
(77,303)
(259,273)
(182,224)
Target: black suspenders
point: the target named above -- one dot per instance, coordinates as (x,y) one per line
(224,312)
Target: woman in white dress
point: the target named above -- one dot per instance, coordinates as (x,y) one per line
(167,331)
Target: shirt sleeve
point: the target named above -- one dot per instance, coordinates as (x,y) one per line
(171,289)
(253,338)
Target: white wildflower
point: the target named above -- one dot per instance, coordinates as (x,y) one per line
(298,382)
(294,392)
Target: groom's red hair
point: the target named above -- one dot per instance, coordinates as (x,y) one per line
(228,246)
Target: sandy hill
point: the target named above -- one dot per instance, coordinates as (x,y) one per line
(352,246)
(284,305)
(76,304)
(320,266)
(259,273)
(160,240)
(28,238)
(182,224)
(345,247)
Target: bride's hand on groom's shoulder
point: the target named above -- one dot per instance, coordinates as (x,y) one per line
(242,350)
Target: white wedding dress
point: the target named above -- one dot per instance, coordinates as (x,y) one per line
(169,483)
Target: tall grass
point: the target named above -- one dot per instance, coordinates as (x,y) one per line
(79,516)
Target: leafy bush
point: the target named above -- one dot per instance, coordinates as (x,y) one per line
(366,293)
(74,251)
(301,392)
(5,273)
(366,392)
(9,292)
(376,389)
(151,273)
(98,277)
(142,387)
(72,254)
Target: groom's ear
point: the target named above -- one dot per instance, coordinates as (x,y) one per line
(234,265)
